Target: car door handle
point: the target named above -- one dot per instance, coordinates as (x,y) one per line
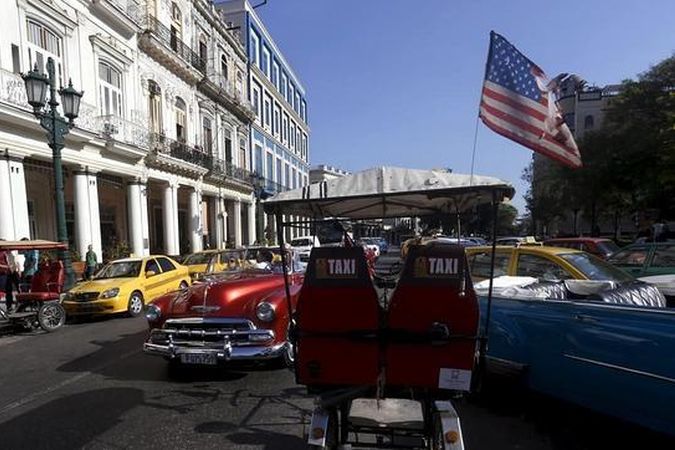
(585,319)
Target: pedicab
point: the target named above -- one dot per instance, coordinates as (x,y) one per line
(386,355)
(38,302)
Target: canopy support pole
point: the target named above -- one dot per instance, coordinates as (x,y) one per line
(484,340)
(282,252)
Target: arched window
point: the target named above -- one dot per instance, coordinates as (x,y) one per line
(176,27)
(43,43)
(155,107)
(110,90)
(203,52)
(181,120)
(588,122)
(223,67)
(207,135)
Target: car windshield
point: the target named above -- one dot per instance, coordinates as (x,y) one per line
(595,268)
(269,258)
(120,269)
(302,242)
(198,258)
(608,247)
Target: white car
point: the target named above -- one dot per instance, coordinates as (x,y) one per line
(303,246)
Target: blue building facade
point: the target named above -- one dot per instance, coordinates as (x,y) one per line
(279,137)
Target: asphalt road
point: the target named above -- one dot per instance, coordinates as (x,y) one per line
(90,386)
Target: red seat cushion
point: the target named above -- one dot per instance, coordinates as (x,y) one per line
(338,317)
(434,291)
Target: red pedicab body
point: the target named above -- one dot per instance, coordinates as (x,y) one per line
(338,316)
(433,321)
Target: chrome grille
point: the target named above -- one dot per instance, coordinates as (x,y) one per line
(203,332)
(86,296)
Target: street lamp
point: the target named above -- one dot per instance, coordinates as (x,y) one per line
(57,127)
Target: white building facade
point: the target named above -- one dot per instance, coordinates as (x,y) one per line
(279,137)
(158,161)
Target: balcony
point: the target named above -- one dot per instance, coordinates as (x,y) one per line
(222,91)
(123,137)
(227,174)
(158,41)
(124,15)
(13,90)
(178,157)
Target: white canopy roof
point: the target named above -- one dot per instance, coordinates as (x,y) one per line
(389,192)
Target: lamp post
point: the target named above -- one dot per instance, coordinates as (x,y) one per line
(57,127)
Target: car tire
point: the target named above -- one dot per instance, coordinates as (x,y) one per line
(135,304)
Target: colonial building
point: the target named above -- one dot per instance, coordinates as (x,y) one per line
(323,172)
(279,136)
(159,159)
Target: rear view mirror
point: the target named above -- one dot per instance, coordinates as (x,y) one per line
(149,273)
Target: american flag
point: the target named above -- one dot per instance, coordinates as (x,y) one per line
(519,102)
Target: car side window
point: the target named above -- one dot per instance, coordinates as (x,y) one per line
(166,265)
(541,268)
(664,256)
(630,257)
(151,265)
(480,264)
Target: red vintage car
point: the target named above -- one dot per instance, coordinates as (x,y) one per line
(239,314)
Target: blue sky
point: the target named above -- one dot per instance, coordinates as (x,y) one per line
(397,82)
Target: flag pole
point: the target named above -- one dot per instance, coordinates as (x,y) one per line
(475,133)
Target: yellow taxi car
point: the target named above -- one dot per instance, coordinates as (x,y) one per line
(126,285)
(212,261)
(544,263)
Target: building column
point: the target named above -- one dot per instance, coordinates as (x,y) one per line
(195,221)
(87,217)
(14,223)
(137,209)
(237,223)
(221,222)
(251,224)
(170,207)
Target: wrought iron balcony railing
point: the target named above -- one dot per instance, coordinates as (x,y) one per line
(173,42)
(161,144)
(225,169)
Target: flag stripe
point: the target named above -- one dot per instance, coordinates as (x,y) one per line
(533,137)
(551,148)
(513,102)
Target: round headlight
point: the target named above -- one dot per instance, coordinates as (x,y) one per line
(110,293)
(153,313)
(265,312)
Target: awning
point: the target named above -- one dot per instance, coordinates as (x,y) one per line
(390,192)
(31,245)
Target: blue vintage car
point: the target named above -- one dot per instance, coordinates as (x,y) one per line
(618,359)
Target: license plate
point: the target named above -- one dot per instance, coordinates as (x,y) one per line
(199,358)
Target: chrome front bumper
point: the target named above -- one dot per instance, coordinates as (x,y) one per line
(227,339)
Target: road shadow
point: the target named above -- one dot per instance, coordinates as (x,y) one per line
(123,359)
(552,424)
(280,409)
(69,422)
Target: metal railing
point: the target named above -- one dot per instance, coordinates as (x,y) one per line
(173,42)
(228,87)
(161,144)
(225,169)
(120,129)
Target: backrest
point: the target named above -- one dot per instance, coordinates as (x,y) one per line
(57,275)
(434,297)
(39,281)
(338,316)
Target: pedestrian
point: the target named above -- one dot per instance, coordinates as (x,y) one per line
(90,261)
(30,264)
(9,277)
